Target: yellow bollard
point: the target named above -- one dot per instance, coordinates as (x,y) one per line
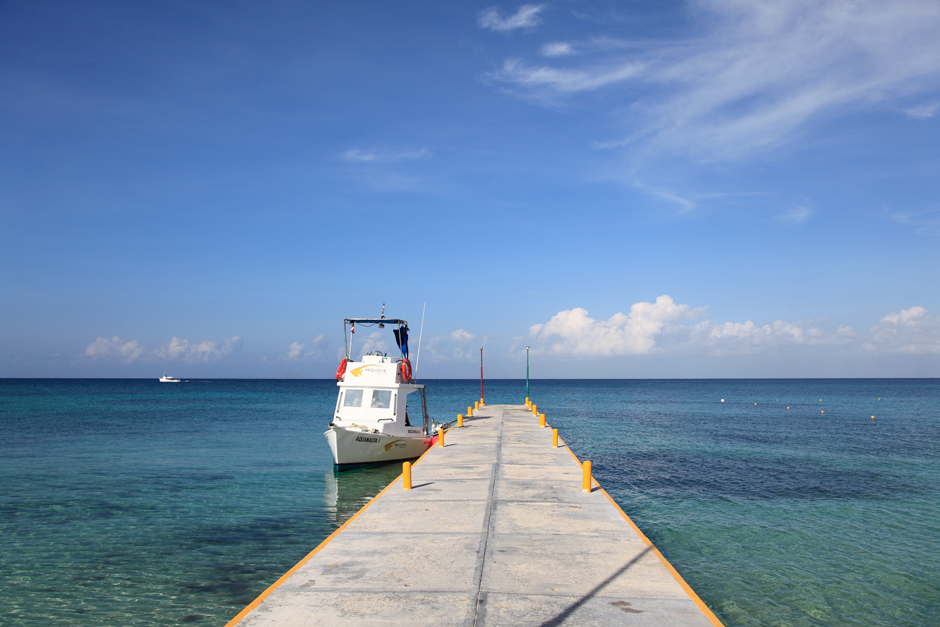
(527,401)
(459,420)
(554,438)
(586,477)
(482,404)
(469,412)
(440,436)
(406,475)
(535,409)
(541,420)
(476,405)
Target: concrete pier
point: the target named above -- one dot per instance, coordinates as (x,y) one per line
(496,531)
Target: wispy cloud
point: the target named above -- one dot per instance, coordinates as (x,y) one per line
(366,156)
(557,49)
(526,17)
(670,196)
(923,111)
(795,215)
(358,155)
(115,349)
(760,72)
(563,80)
(924,222)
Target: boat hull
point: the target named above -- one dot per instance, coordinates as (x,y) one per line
(352,447)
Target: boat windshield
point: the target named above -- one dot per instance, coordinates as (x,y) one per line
(353,398)
(381,399)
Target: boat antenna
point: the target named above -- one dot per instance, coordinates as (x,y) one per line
(420,333)
(382,324)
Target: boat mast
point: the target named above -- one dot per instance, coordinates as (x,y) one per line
(420,333)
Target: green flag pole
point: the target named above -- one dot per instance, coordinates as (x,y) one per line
(527,372)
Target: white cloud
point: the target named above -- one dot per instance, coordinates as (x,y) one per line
(453,347)
(573,333)
(462,336)
(104,348)
(526,17)
(759,72)
(184,350)
(748,337)
(293,351)
(657,328)
(557,49)
(910,331)
(203,352)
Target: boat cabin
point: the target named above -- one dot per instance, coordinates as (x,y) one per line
(374,396)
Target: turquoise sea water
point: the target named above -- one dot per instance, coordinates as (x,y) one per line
(129,502)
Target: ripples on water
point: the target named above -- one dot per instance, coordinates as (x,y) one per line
(136,503)
(776,516)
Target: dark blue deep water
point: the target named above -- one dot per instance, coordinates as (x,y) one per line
(128,502)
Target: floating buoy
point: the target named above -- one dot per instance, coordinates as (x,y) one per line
(823,412)
(872,417)
(820,400)
(755,403)
(722,400)
(788,409)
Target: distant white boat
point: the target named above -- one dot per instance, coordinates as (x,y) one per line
(166,379)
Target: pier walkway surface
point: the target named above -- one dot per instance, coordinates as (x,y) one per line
(496,531)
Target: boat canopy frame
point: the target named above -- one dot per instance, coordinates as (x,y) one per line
(401,333)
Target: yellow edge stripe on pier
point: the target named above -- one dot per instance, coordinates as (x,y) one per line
(286,576)
(688,589)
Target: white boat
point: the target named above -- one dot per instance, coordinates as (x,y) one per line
(166,379)
(371,423)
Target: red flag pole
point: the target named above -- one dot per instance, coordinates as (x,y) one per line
(481,375)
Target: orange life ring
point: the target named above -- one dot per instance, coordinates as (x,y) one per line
(341,370)
(405,370)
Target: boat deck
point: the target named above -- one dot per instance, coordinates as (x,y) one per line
(496,531)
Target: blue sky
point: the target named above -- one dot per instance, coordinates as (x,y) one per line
(635,189)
